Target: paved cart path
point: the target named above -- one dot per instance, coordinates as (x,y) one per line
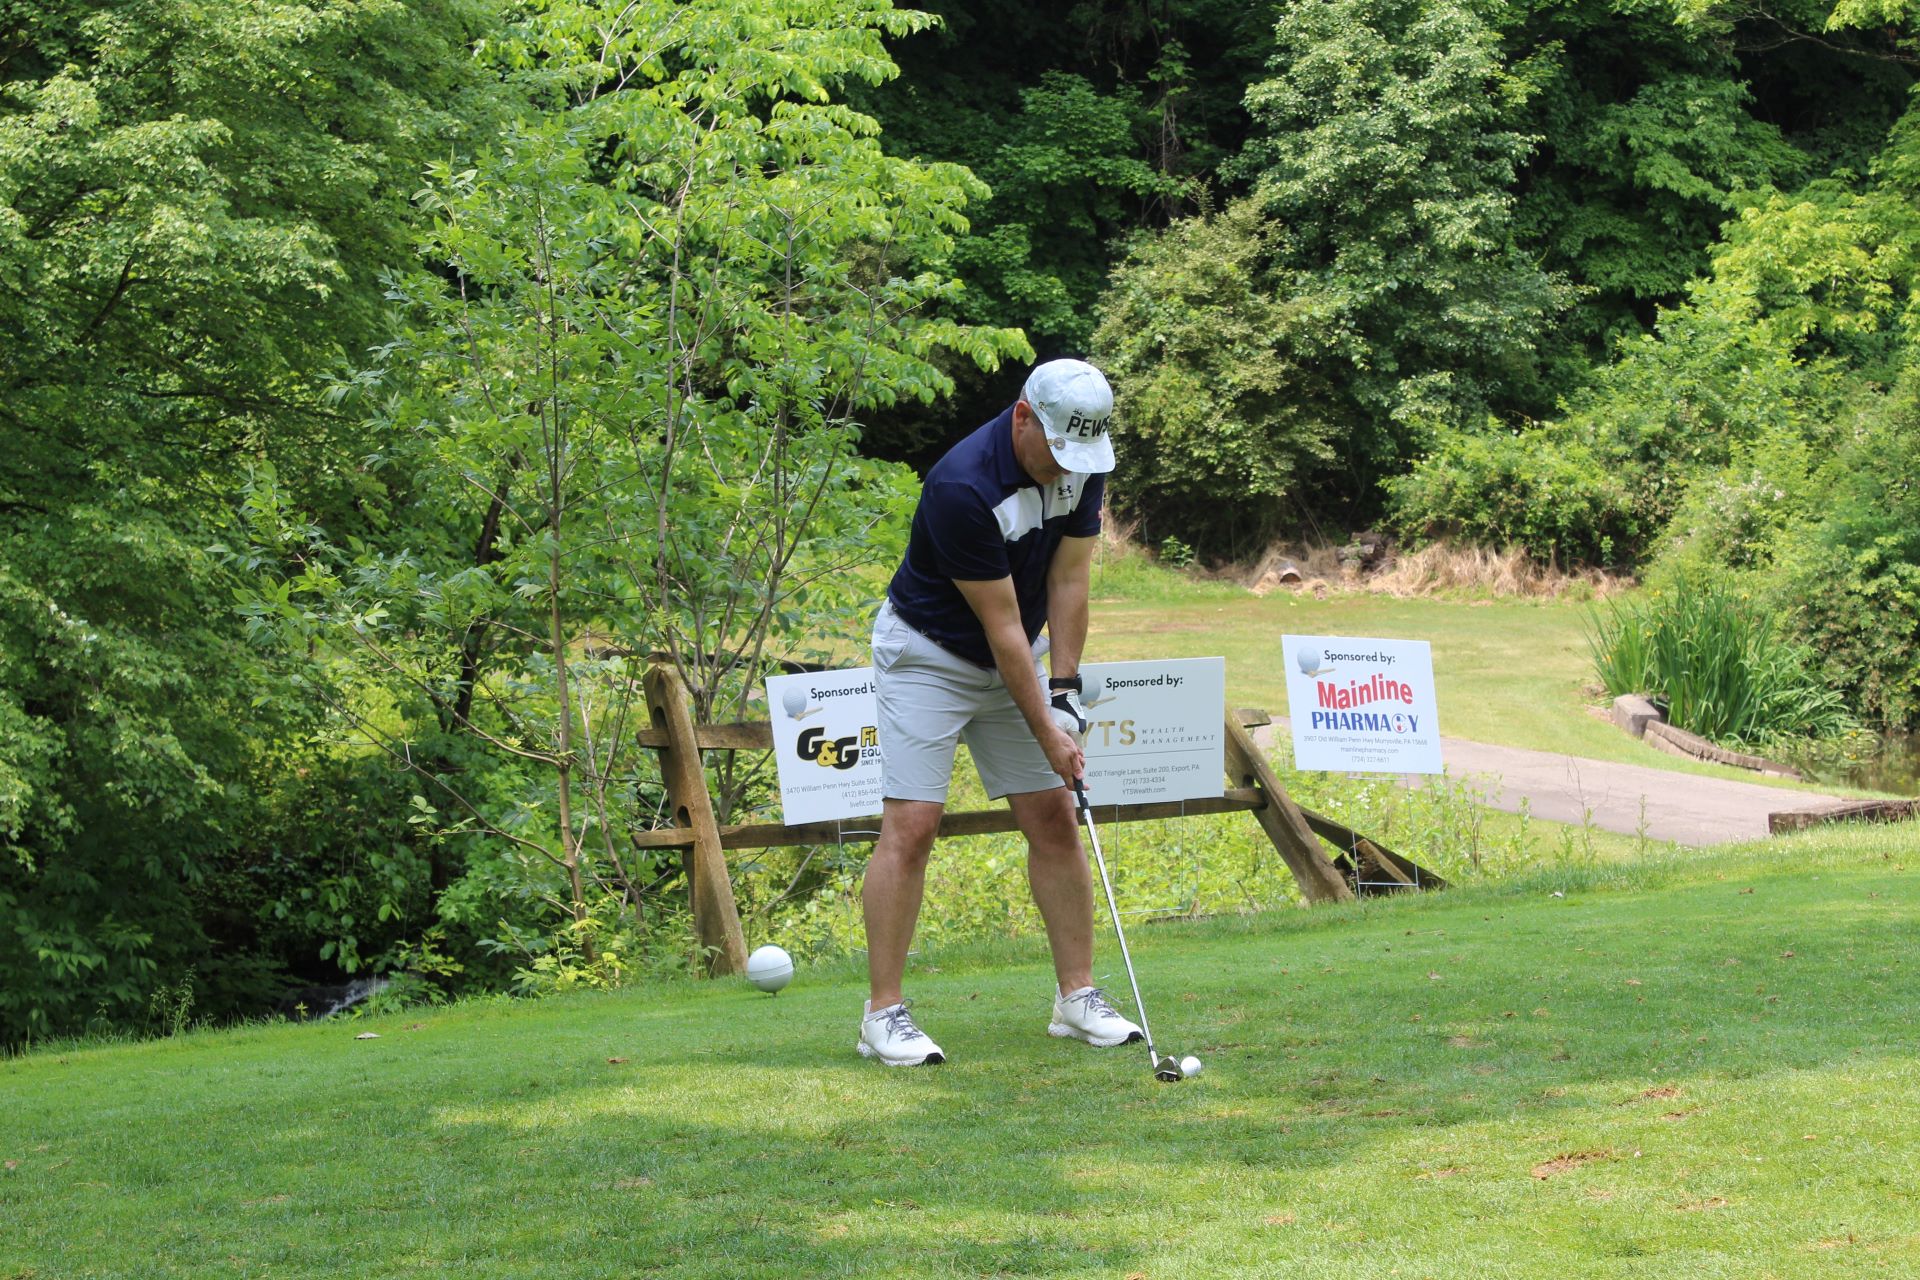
(1626,798)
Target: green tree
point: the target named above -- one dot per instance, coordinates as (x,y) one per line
(652,312)
(1087,122)
(1066,175)
(195,201)
(1651,136)
(1224,422)
(1386,154)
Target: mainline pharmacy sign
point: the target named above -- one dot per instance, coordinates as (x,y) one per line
(1362,705)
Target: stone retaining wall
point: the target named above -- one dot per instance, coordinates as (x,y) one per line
(1641,718)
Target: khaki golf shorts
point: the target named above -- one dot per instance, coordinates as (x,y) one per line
(930,700)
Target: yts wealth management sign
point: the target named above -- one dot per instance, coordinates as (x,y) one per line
(1158,729)
(1156,734)
(1362,706)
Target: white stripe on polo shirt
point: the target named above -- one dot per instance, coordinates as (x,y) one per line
(1023,511)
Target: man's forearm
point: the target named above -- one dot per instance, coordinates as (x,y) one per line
(1014,659)
(1066,626)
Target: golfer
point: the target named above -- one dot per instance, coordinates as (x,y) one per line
(1002,546)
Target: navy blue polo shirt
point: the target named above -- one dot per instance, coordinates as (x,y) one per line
(982,517)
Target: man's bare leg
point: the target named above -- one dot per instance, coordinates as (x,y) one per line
(1062,884)
(890,897)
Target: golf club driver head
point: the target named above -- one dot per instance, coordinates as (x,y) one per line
(1167,1070)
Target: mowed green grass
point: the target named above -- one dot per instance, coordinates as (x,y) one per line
(1703,1069)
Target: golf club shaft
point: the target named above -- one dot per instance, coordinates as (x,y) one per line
(1113,911)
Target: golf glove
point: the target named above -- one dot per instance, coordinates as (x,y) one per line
(1067,711)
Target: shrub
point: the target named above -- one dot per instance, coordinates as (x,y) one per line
(1737,517)
(1851,577)
(1718,663)
(1538,489)
(1220,419)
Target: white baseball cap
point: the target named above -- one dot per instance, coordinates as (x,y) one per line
(1075,407)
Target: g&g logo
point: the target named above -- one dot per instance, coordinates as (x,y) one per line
(836,753)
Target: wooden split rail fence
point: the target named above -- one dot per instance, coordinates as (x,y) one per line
(1360,865)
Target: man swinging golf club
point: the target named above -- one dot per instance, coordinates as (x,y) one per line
(1002,545)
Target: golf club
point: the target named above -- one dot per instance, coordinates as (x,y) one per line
(1165,1069)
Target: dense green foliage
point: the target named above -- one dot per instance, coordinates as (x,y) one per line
(1564,503)
(1386,154)
(1467,208)
(1222,419)
(384,380)
(1083,120)
(1716,661)
(1849,565)
(1758,428)
(193,213)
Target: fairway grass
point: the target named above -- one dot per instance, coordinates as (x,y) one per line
(1697,1068)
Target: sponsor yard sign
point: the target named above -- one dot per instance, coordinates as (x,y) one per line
(1362,705)
(1158,729)
(826,745)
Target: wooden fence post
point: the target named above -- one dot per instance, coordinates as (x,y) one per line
(1282,820)
(716,920)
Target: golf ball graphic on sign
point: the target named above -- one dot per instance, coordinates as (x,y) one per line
(795,701)
(1095,693)
(770,968)
(1312,662)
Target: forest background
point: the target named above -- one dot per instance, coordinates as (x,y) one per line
(384,382)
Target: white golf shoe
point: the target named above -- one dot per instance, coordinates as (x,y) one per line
(889,1035)
(1088,1015)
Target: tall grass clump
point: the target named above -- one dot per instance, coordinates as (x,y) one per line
(1717,662)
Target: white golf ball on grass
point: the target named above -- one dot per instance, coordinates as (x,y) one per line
(1190,1067)
(770,968)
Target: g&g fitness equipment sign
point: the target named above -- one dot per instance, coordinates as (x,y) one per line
(1362,706)
(1157,733)
(825,745)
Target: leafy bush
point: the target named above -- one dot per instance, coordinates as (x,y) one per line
(1718,663)
(1737,517)
(333,871)
(1540,490)
(1220,420)
(1852,574)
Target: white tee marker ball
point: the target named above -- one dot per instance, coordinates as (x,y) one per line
(770,968)
(1190,1067)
